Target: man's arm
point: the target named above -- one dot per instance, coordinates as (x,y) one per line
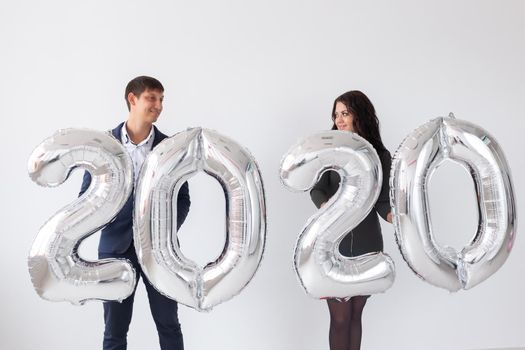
(183,204)
(85,183)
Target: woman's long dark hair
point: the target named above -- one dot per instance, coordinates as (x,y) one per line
(365,122)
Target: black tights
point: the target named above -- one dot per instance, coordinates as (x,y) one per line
(345,323)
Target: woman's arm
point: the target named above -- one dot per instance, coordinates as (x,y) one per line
(319,194)
(382,205)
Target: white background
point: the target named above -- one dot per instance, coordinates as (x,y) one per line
(264,73)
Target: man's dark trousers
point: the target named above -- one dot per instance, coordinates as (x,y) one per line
(117,316)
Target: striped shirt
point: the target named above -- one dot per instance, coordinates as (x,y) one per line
(138,153)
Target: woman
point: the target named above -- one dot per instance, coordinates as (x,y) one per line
(353,111)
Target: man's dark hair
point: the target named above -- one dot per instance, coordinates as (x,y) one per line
(140,84)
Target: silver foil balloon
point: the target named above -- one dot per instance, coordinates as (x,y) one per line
(57,272)
(415,161)
(322,270)
(167,167)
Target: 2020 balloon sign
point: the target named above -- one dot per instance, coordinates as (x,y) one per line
(59,274)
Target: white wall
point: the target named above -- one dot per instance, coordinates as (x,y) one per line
(264,73)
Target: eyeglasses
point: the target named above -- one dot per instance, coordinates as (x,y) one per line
(343,114)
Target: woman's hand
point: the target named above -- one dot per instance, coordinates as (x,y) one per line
(389,217)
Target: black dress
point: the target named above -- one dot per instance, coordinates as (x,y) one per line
(365,237)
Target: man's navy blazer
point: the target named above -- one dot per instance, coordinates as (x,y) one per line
(117,236)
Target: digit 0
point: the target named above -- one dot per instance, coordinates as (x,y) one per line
(167,167)
(418,156)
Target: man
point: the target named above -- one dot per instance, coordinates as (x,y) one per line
(144,96)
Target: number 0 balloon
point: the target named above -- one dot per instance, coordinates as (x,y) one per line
(57,272)
(416,159)
(167,167)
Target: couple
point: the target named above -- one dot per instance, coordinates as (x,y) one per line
(144,95)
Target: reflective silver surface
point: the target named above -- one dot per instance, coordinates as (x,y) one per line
(57,272)
(322,270)
(415,161)
(167,167)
